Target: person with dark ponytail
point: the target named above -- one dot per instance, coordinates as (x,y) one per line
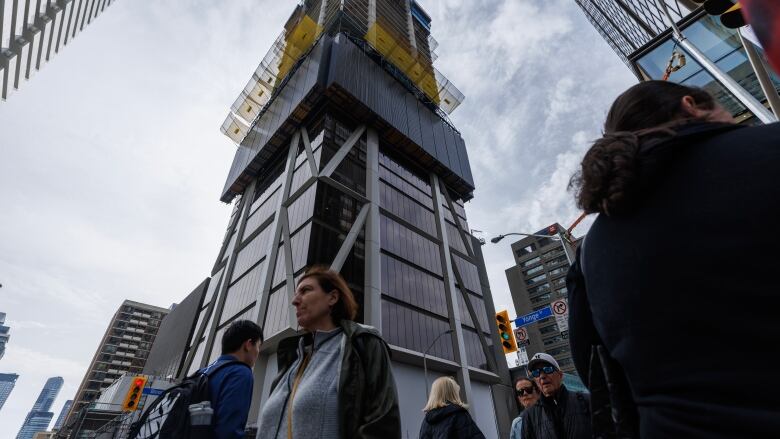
(673,307)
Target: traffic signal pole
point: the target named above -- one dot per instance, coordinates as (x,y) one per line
(727,81)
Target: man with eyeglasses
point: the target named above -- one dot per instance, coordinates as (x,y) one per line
(559,413)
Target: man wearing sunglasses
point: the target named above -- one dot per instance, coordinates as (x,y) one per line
(559,413)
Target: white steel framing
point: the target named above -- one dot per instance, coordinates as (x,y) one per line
(368,220)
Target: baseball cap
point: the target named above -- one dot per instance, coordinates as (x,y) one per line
(542,358)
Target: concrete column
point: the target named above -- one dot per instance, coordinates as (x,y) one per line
(280,221)
(453,308)
(373,277)
(223,289)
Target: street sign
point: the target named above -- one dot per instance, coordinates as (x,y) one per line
(154,392)
(521,337)
(522,356)
(560,309)
(535,316)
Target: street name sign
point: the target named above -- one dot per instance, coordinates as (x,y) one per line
(535,316)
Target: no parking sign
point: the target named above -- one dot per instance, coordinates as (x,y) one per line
(560,309)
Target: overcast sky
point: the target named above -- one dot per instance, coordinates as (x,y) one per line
(112,163)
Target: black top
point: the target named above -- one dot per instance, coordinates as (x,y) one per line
(449,422)
(563,416)
(681,290)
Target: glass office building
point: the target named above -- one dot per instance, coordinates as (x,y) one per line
(346,158)
(638,33)
(5,334)
(7,383)
(39,418)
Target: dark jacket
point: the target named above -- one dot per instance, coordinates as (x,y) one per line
(449,422)
(681,291)
(565,416)
(368,401)
(230,389)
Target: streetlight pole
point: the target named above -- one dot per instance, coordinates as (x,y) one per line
(425,359)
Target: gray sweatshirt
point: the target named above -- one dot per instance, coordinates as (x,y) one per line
(315,405)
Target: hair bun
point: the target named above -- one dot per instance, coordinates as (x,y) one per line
(609,174)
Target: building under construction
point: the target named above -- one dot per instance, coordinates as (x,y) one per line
(346,157)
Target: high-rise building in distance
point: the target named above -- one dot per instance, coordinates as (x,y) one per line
(63,414)
(346,158)
(537,280)
(123,349)
(32,32)
(5,335)
(39,418)
(7,383)
(638,31)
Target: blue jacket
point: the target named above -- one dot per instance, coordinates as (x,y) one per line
(231,395)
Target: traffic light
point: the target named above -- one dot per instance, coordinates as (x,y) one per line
(505,332)
(730,11)
(134,394)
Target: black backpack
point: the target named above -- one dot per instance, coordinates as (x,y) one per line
(168,417)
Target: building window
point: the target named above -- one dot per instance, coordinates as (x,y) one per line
(530,262)
(534,270)
(542,298)
(539,289)
(536,279)
(548,329)
(526,250)
(559,270)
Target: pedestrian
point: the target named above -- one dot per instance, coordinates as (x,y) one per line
(230,387)
(559,413)
(675,279)
(446,415)
(527,394)
(335,380)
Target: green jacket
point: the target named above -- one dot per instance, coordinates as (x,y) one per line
(368,400)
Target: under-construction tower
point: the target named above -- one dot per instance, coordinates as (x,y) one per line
(346,158)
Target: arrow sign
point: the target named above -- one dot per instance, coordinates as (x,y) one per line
(535,316)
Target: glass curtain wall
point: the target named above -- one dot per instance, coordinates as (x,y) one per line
(719,44)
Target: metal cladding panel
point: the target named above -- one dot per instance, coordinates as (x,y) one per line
(465,165)
(236,168)
(426,129)
(413,119)
(452,149)
(441,142)
(174,333)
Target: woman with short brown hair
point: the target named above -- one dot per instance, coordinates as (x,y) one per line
(335,380)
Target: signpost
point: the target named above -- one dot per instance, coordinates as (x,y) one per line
(535,316)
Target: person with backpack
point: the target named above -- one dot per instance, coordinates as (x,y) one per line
(231,382)
(212,403)
(559,413)
(446,416)
(335,380)
(686,199)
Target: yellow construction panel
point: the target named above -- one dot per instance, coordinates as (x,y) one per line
(297,42)
(388,46)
